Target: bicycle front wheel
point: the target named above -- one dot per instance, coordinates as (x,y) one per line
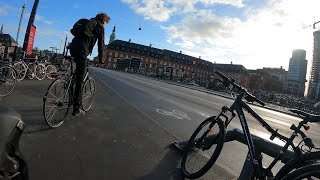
(203,148)
(56,103)
(88,92)
(21,70)
(51,69)
(40,71)
(8,79)
(311,171)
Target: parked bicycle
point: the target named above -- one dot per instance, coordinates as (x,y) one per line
(8,78)
(59,96)
(25,67)
(209,138)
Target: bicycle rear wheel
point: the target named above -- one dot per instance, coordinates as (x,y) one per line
(88,92)
(8,79)
(56,103)
(311,171)
(207,139)
(21,70)
(296,163)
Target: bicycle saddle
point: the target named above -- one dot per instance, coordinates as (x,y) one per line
(309,117)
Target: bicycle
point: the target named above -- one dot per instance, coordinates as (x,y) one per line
(7,78)
(311,171)
(31,70)
(59,96)
(214,130)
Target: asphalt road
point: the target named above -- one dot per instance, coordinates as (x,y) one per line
(114,140)
(179,110)
(128,132)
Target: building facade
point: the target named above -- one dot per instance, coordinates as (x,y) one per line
(297,71)
(314,82)
(147,60)
(280,73)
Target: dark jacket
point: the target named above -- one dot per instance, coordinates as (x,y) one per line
(86,44)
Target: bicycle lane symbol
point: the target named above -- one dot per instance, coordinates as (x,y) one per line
(175,113)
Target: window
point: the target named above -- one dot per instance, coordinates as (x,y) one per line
(109,59)
(110,53)
(121,55)
(116,54)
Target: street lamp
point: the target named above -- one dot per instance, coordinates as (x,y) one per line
(21,16)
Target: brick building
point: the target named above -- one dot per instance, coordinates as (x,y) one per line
(121,55)
(237,72)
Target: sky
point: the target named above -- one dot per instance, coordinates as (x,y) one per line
(254,33)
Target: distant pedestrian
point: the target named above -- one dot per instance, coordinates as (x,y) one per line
(86,33)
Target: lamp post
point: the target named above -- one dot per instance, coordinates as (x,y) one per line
(21,16)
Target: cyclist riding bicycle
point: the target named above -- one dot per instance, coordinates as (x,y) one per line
(86,33)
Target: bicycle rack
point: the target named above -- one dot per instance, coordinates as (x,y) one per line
(262,145)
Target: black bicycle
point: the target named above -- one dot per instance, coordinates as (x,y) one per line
(59,96)
(209,138)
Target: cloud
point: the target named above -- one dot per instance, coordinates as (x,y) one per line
(202,27)
(5,8)
(40,19)
(152,9)
(265,36)
(162,10)
(3,12)
(236,3)
(76,6)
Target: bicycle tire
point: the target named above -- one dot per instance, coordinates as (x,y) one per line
(304,172)
(40,71)
(21,70)
(88,93)
(50,69)
(296,163)
(30,70)
(8,78)
(191,145)
(63,103)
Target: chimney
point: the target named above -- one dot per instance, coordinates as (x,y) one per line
(150,45)
(199,57)
(231,62)
(180,52)
(129,40)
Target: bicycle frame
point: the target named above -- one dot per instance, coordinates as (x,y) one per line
(256,161)
(71,81)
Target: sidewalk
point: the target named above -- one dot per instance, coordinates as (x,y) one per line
(112,141)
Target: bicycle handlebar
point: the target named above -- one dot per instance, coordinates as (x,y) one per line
(249,97)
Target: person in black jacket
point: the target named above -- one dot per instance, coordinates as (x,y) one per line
(80,48)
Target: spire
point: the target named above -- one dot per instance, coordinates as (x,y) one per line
(113,35)
(1,31)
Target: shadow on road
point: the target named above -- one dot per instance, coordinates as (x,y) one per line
(168,168)
(33,117)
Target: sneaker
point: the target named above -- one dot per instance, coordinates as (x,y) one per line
(78,113)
